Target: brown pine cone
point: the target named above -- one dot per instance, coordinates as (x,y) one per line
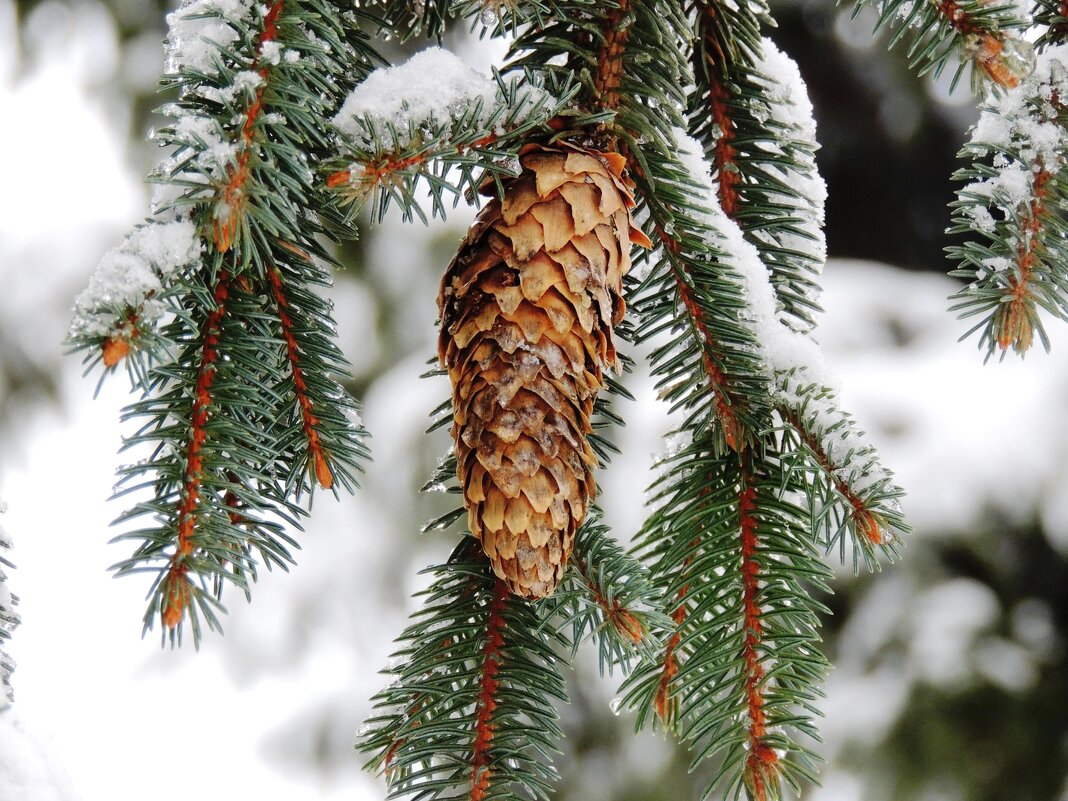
(527,310)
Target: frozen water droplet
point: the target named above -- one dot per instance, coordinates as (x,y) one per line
(489,16)
(616,705)
(1018,56)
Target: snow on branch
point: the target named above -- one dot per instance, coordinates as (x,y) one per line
(9,619)
(803,387)
(398,122)
(1012,204)
(800,238)
(122,301)
(119,310)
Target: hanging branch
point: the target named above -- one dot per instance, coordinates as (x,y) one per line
(471,704)
(760,150)
(9,618)
(211,303)
(982,34)
(433,119)
(742,669)
(282,129)
(1013,206)
(754,121)
(607,596)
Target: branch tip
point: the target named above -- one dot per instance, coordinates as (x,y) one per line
(318,464)
(115,350)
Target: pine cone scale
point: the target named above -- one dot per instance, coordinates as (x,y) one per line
(527,309)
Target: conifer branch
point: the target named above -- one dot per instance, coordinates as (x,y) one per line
(744,669)
(755,122)
(852,489)
(607,595)
(230,346)
(444,125)
(981,33)
(174,592)
(1013,206)
(281,123)
(470,713)
(761,773)
(9,618)
(320,465)
(801,390)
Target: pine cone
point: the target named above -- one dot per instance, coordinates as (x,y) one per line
(527,309)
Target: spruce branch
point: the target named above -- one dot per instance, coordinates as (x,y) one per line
(851,491)
(1013,205)
(760,156)
(739,677)
(470,711)
(9,618)
(435,120)
(607,595)
(983,34)
(227,338)
(755,123)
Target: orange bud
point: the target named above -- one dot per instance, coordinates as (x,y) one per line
(322,471)
(338,178)
(176,593)
(115,350)
(628,625)
(867,525)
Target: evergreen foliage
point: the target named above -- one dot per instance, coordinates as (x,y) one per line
(282,128)
(9,618)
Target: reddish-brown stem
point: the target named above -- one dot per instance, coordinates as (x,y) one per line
(381,169)
(664,702)
(317,454)
(621,618)
(725,410)
(175,589)
(725,155)
(487,695)
(761,759)
(608,74)
(957,19)
(1015,327)
(863,518)
(232,201)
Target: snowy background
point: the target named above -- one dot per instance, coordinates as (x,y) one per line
(949,679)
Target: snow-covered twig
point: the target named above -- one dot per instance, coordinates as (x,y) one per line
(803,387)
(9,619)
(1013,205)
(417,120)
